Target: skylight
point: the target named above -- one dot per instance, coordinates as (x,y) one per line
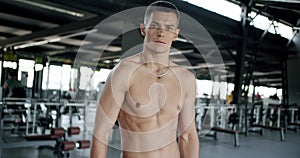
(275,27)
(232,10)
(285,31)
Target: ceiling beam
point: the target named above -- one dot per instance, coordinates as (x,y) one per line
(32,12)
(65,29)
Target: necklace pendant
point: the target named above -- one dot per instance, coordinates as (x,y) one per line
(158,77)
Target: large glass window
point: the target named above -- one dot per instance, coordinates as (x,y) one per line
(232,10)
(66,78)
(59,77)
(26,72)
(54,77)
(265,92)
(9,64)
(74,79)
(275,27)
(86,81)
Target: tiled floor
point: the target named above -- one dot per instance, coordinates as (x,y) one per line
(252,146)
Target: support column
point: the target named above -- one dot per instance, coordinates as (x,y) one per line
(37,84)
(238,79)
(1,69)
(285,99)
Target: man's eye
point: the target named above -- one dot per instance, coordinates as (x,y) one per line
(170,28)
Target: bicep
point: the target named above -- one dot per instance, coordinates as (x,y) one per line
(110,102)
(187,114)
(106,115)
(111,99)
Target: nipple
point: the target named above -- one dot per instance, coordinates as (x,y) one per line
(138,105)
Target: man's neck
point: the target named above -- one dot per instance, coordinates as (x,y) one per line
(158,58)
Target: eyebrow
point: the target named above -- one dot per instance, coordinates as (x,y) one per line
(154,22)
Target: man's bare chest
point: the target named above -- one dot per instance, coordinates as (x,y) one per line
(148,96)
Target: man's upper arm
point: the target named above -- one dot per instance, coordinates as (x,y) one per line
(187,114)
(110,102)
(188,137)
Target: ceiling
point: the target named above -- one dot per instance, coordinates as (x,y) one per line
(58,30)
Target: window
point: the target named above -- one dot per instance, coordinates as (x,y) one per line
(10,64)
(275,27)
(26,72)
(59,77)
(232,10)
(85,78)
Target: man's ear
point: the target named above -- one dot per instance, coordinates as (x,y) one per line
(143,29)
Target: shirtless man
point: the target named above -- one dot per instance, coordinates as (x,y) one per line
(151,97)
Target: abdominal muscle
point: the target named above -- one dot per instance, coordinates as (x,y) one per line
(171,150)
(151,136)
(154,140)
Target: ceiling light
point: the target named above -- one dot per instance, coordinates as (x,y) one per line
(107,61)
(64,11)
(46,41)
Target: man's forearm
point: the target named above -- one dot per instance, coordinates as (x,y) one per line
(189,146)
(99,149)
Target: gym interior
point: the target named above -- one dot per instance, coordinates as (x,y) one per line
(244,55)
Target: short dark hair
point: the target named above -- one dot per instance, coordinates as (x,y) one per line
(163,6)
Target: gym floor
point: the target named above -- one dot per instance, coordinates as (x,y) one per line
(253,145)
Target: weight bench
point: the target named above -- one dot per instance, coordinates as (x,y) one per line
(280,129)
(217,129)
(62,146)
(235,133)
(295,124)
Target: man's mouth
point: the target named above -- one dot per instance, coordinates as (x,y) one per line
(160,42)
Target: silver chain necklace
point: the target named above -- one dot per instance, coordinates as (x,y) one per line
(158,76)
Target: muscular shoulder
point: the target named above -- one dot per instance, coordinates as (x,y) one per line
(120,75)
(126,65)
(186,76)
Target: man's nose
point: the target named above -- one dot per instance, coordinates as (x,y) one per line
(161,32)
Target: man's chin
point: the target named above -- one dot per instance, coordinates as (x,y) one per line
(159,48)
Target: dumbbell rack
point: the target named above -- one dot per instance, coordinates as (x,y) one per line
(63,146)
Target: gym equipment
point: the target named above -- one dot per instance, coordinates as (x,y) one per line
(7,115)
(233,118)
(29,117)
(73,131)
(234,132)
(215,118)
(292,115)
(83,144)
(63,145)
(14,113)
(267,115)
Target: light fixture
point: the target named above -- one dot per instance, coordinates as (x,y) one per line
(42,42)
(64,11)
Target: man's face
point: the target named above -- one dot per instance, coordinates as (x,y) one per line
(160,31)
